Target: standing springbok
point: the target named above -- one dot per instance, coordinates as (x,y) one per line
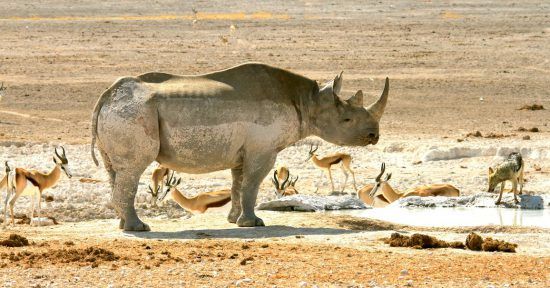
(157,179)
(33,183)
(327,162)
(199,203)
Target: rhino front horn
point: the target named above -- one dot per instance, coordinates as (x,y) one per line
(376,109)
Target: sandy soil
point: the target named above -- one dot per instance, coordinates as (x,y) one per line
(454,69)
(296,250)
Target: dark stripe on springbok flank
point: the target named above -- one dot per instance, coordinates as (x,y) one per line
(219,203)
(336,161)
(32,180)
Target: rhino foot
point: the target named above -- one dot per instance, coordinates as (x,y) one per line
(233,215)
(136,225)
(250,221)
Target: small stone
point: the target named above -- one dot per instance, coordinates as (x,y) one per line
(302,284)
(404,272)
(526,137)
(245,280)
(409,283)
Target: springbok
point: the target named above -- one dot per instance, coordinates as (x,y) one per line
(381,193)
(2,88)
(327,162)
(157,179)
(199,203)
(291,187)
(287,187)
(445,190)
(33,183)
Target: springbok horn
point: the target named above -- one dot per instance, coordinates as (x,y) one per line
(274,180)
(376,109)
(284,182)
(57,154)
(169,179)
(382,169)
(63,150)
(296,179)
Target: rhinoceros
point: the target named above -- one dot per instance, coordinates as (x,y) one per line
(237,119)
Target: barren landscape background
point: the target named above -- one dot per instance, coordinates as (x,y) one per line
(454,69)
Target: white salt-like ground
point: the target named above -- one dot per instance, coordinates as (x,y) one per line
(463,165)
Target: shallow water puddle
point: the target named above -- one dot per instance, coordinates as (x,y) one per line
(454,217)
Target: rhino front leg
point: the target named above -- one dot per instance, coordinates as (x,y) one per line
(254,171)
(235,212)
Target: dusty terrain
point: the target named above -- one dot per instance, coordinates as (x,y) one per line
(454,69)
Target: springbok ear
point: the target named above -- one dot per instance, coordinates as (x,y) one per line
(337,84)
(54,160)
(491,171)
(388,176)
(357,99)
(178,183)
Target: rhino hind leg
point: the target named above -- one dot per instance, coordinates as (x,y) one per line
(235,212)
(255,169)
(129,141)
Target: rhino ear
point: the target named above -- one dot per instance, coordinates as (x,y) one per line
(337,84)
(357,99)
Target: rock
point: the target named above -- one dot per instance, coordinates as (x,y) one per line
(531,202)
(241,281)
(404,272)
(526,137)
(310,203)
(482,199)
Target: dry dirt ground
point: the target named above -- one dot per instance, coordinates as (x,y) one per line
(454,69)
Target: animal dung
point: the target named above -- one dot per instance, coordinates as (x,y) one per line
(420,241)
(473,242)
(523,129)
(15,240)
(532,107)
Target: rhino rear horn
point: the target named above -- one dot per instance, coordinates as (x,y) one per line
(376,109)
(357,99)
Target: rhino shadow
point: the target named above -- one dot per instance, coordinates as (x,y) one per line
(274,231)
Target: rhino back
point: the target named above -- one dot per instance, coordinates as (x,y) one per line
(218,115)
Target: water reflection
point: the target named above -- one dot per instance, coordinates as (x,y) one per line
(458,216)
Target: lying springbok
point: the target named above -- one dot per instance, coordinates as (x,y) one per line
(379,194)
(157,179)
(445,190)
(382,194)
(287,187)
(33,183)
(327,162)
(199,203)
(291,187)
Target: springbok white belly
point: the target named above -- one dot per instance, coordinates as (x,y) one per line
(30,189)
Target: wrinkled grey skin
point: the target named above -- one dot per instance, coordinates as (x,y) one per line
(237,119)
